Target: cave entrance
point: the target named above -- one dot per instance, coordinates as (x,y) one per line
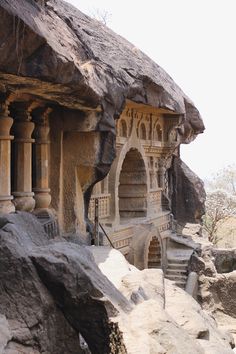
(154,253)
(133,186)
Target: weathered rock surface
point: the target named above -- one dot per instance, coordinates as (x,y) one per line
(188,195)
(161,311)
(5,334)
(217,294)
(189,315)
(42,310)
(84,64)
(224,259)
(53,290)
(217,291)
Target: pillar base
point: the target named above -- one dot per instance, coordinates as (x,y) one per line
(24,201)
(42,198)
(6,206)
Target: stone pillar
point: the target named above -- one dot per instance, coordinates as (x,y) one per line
(161,174)
(22,178)
(105,185)
(6,122)
(41,158)
(97,188)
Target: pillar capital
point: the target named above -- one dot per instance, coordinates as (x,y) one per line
(21,111)
(4,105)
(23,126)
(40,117)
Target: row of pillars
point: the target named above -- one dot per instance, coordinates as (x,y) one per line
(21,138)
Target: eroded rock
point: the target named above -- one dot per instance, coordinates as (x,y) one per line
(53,290)
(188,196)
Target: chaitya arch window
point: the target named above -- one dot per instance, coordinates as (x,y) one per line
(158,133)
(143,134)
(123,128)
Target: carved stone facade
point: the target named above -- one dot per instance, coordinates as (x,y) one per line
(50,179)
(54,182)
(138,182)
(83,117)
(24,154)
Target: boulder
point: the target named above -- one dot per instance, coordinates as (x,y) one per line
(162,310)
(197,322)
(225,259)
(217,296)
(58,297)
(34,320)
(218,293)
(188,196)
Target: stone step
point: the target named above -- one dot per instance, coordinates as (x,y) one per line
(154,256)
(157,251)
(154,253)
(176,277)
(178,260)
(176,271)
(179,283)
(154,264)
(177,266)
(154,246)
(154,259)
(157,266)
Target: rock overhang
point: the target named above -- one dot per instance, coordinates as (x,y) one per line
(84,65)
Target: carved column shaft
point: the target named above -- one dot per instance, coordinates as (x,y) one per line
(162,177)
(105,185)
(22,181)
(41,159)
(6,122)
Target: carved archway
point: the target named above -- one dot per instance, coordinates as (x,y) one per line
(132,191)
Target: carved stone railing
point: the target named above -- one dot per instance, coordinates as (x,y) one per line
(165,222)
(122,239)
(155,200)
(103,206)
(49,222)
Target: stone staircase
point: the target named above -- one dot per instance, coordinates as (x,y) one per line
(154,254)
(177,269)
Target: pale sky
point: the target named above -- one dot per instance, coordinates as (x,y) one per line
(194,41)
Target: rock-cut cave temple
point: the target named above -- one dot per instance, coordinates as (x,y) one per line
(86,116)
